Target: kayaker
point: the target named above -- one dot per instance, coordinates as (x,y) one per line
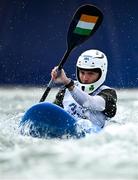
(87,98)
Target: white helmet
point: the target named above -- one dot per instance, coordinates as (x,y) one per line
(92,59)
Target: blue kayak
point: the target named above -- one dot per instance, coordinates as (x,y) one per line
(47,120)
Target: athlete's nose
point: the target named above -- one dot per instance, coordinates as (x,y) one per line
(85,78)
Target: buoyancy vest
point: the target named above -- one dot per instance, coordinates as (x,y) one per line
(97,118)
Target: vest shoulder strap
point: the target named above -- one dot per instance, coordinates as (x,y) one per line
(110,98)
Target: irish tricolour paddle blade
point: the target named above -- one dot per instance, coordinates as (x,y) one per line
(84,23)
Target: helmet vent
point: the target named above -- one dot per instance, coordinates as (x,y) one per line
(83,88)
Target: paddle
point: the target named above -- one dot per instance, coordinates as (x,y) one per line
(85,22)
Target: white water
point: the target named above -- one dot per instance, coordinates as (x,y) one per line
(112,154)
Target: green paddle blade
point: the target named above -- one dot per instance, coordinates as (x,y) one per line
(84,23)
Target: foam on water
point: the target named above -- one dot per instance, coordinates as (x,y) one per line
(111,154)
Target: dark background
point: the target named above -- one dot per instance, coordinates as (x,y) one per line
(33,40)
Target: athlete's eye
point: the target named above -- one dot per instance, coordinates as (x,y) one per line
(82,72)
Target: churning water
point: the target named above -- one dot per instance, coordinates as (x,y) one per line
(111,154)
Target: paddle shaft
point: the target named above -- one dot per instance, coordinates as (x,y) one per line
(60,66)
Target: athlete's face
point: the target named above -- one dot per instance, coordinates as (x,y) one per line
(88,77)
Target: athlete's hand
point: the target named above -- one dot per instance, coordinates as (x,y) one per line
(59,76)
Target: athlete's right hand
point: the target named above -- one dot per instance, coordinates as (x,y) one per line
(59,76)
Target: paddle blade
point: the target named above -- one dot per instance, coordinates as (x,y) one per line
(84,23)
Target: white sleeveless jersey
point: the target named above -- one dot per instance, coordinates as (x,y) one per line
(83,106)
